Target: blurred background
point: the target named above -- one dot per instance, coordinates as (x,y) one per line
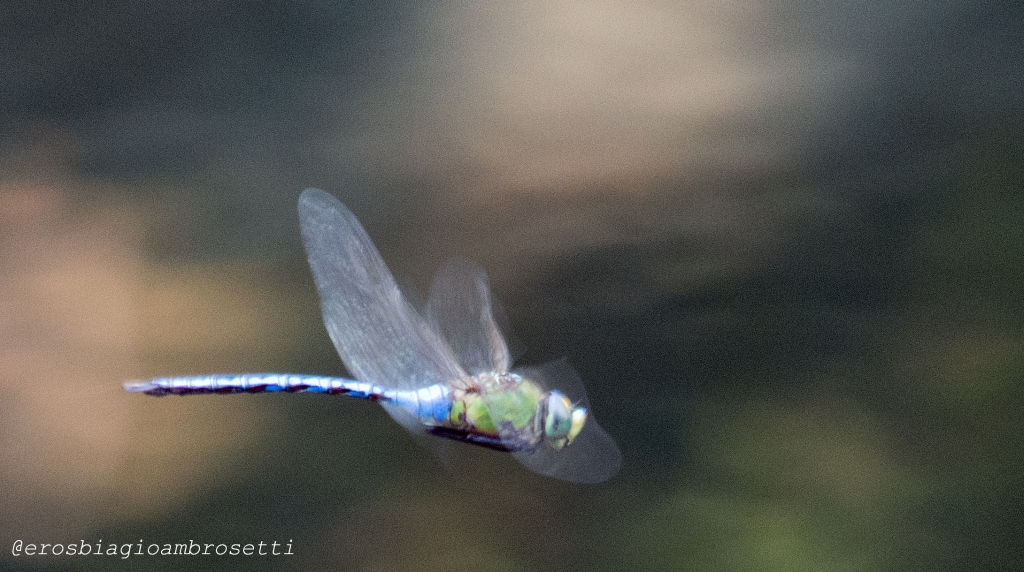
(781,243)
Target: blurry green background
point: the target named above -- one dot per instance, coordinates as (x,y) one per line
(781,243)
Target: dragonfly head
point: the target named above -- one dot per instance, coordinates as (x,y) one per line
(563,421)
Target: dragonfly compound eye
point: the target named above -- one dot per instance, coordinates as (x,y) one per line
(579,417)
(557,419)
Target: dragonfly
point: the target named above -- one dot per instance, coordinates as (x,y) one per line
(443,370)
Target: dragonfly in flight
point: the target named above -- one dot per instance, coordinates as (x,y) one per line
(443,371)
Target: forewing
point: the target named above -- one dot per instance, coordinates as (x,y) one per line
(379,336)
(460,308)
(593,456)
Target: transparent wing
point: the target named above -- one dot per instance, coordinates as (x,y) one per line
(381,339)
(460,308)
(593,457)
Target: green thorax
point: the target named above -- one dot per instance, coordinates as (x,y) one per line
(501,405)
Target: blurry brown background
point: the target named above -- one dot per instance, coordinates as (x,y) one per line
(781,243)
